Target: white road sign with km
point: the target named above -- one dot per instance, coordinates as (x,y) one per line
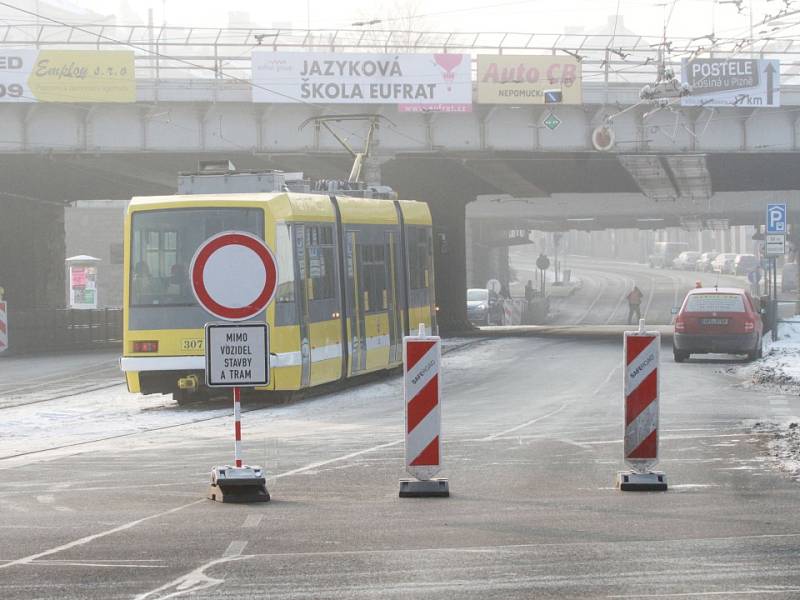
(775,244)
(237,355)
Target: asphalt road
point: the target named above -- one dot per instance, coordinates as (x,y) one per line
(532,441)
(601,299)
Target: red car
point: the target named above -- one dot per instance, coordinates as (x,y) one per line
(721,320)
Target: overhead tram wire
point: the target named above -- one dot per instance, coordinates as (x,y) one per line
(448,12)
(158,54)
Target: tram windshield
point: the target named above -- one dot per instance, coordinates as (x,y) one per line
(163,243)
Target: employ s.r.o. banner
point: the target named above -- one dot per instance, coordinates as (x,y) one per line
(29,75)
(342,78)
(524,79)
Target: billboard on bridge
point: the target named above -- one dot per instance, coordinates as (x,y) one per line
(525,79)
(428,81)
(29,75)
(742,82)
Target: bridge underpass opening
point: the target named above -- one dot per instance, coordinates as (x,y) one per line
(590,274)
(606,237)
(577,190)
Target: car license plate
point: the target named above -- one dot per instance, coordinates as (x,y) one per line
(713,321)
(192,345)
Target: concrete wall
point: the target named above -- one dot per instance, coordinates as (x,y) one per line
(31,253)
(96,229)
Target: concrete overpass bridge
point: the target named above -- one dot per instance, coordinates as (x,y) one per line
(667,166)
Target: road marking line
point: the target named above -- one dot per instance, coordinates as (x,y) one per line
(680,437)
(193,581)
(602,291)
(626,286)
(90,538)
(693,594)
(606,380)
(316,465)
(650,299)
(648,543)
(252,520)
(494,436)
(235,548)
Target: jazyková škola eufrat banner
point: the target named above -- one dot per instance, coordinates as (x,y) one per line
(29,75)
(344,78)
(525,79)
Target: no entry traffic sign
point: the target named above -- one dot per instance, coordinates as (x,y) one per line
(234,275)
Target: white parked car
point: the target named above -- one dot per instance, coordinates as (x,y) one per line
(723,263)
(686,260)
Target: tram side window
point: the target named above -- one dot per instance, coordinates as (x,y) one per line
(285,309)
(373,265)
(321,262)
(419,257)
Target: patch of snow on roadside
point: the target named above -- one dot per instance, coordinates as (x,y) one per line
(780,366)
(783,445)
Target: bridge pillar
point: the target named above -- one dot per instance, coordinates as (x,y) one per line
(32,253)
(447,190)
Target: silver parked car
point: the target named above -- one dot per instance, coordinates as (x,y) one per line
(686,260)
(723,263)
(705,260)
(744,263)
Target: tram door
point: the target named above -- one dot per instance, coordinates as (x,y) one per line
(301,288)
(393,272)
(358,334)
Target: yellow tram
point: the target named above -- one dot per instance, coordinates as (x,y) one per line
(354,276)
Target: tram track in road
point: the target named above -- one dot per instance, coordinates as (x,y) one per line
(99,376)
(663,287)
(214,403)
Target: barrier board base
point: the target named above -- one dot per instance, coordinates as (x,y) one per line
(243,484)
(631,481)
(438,487)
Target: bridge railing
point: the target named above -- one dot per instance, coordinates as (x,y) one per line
(168,52)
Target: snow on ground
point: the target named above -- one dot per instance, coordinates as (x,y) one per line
(779,370)
(780,366)
(783,444)
(63,424)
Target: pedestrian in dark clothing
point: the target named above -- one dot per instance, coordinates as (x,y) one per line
(529,291)
(634,304)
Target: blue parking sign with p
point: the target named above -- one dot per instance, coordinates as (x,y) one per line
(776,218)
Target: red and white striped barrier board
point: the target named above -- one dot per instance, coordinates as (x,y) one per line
(3,326)
(641,398)
(422,357)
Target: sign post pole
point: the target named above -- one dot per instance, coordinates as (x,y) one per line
(234,277)
(3,323)
(641,351)
(775,245)
(237,427)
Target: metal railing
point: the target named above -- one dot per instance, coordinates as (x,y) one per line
(43,330)
(167,52)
